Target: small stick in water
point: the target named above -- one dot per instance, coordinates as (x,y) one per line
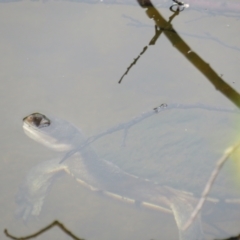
(54,223)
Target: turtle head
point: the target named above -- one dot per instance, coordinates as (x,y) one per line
(52,132)
(37,126)
(37,120)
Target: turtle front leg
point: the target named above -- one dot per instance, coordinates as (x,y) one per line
(32,192)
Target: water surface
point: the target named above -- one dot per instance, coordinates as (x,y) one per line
(65,59)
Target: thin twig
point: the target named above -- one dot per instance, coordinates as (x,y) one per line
(55,223)
(209,184)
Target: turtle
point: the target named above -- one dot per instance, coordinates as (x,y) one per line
(100,175)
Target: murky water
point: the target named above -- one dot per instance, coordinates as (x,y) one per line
(66,58)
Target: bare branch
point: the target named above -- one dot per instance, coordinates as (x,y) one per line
(55,223)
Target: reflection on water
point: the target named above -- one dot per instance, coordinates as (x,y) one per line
(65,58)
(223,7)
(192,57)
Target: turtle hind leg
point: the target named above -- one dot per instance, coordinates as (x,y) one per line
(182,205)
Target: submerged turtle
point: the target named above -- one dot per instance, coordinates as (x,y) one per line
(97,174)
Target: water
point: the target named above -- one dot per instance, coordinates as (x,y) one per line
(66,58)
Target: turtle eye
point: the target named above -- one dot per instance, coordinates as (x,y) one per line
(37,121)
